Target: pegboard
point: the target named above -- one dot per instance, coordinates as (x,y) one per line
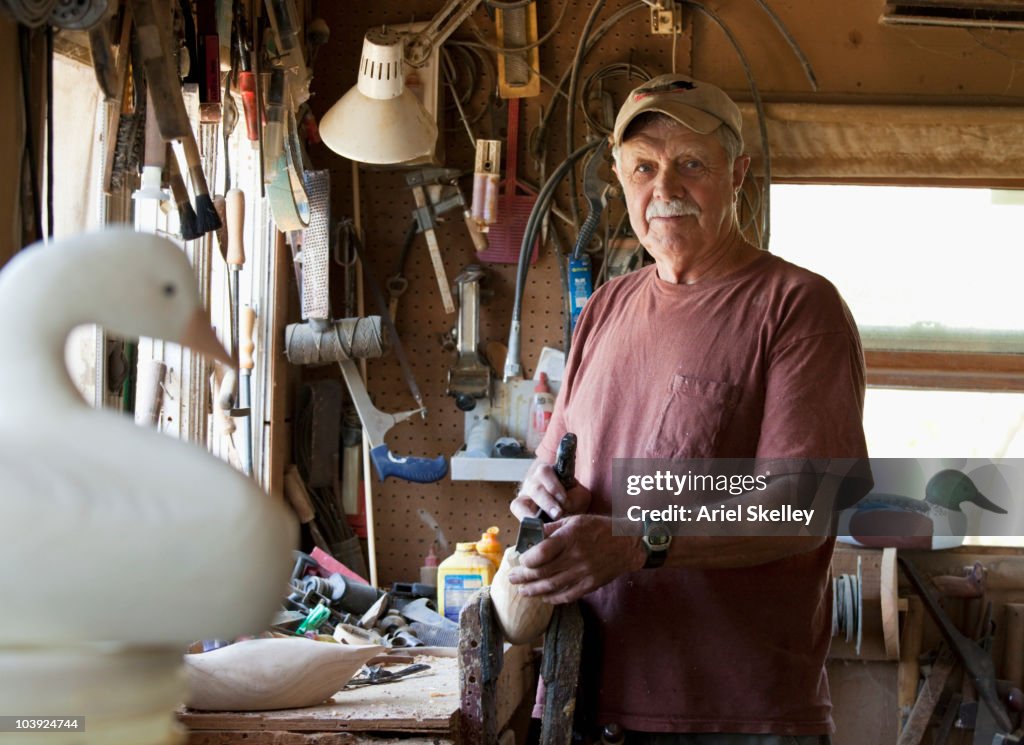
(852,56)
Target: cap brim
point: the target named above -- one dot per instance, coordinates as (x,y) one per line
(699,121)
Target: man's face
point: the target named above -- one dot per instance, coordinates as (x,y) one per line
(679,187)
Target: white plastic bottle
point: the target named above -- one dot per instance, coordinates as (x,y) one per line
(541,406)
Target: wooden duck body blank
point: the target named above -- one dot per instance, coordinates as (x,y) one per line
(116,541)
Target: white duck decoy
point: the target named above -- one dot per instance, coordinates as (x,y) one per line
(118,545)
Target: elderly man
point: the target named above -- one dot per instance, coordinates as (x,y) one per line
(717,350)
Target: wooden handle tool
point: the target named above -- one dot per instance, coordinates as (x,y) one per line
(152,24)
(154,158)
(186,215)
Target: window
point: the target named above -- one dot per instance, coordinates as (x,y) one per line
(931,275)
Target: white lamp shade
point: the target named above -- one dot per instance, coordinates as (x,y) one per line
(379,120)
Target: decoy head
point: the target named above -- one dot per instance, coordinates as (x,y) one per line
(131,283)
(951,488)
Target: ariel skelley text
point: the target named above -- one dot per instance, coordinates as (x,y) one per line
(752,513)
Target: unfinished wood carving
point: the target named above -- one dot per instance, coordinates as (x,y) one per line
(263,674)
(521,618)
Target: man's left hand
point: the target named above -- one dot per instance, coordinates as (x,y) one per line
(578,555)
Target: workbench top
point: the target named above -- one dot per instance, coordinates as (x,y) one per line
(424,703)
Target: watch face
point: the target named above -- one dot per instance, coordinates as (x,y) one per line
(657,541)
(657,535)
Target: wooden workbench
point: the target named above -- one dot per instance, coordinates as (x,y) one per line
(459,699)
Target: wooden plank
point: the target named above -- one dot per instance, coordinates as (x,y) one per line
(563,646)
(986,372)
(278,435)
(910,668)
(928,699)
(480,664)
(518,674)
(423,703)
(1013,656)
(300,738)
(889,592)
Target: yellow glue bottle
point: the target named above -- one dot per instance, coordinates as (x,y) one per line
(459,576)
(490,547)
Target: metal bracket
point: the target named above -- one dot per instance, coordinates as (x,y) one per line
(666,17)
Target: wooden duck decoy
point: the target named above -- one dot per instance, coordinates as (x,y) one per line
(119,545)
(936,522)
(278,673)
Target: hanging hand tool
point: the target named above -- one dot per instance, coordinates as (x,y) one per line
(397,284)
(154,158)
(186,215)
(376,424)
(977,662)
(119,78)
(389,327)
(247,322)
(517,71)
(153,27)
(435,250)
(208,44)
(470,378)
(342,341)
(235,204)
(436,190)
(486,181)
(246,78)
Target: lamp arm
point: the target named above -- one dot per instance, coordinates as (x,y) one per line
(419,47)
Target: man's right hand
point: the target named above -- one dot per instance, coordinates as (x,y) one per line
(541,489)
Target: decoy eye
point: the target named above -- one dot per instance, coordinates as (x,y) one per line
(169,289)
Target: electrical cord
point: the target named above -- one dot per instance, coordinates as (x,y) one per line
(808,70)
(540,133)
(570,113)
(616,69)
(476,60)
(448,77)
(526,248)
(761,119)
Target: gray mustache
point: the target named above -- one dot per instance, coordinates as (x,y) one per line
(672,208)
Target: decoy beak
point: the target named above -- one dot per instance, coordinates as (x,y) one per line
(199,336)
(986,504)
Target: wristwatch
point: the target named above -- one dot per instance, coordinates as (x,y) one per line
(656,540)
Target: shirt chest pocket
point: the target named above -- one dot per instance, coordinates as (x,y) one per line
(693,418)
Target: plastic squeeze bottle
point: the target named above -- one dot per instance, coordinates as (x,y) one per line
(459,576)
(490,547)
(541,406)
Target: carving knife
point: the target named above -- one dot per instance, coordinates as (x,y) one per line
(531,529)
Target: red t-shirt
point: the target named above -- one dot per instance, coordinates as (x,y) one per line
(763,363)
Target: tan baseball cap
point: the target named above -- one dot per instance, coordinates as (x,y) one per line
(700,106)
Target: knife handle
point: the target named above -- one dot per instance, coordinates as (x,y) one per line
(246,345)
(565,460)
(419,470)
(235,205)
(247,87)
